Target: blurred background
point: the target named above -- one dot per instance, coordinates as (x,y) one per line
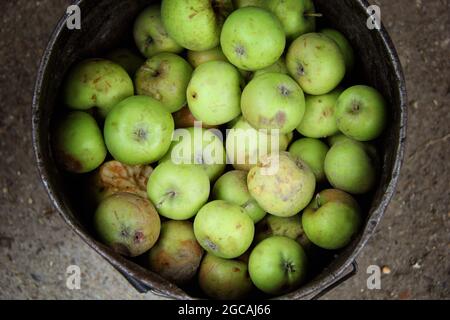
(411,244)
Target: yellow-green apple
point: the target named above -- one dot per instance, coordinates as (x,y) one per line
(224,229)
(278,67)
(337,138)
(248,3)
(177,255)
(277,265)
(178,191)
(199,147)
(127,223)
(332,219)
(252,38)
(286,227)
(296,16)
(281,184)
(97,83)
(232,187)
(195,24)
(313,153)
(361,113)
(224,279)
(246,145)
(319,120)
(138,130)
(78,143)
(273,101)
(344,45)
(150,35)
(316,62)
(165,77)
(197,58)
(214,93)
(349,167)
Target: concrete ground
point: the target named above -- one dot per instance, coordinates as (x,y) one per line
(412,241)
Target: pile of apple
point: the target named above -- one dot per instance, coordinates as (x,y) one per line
(258,66)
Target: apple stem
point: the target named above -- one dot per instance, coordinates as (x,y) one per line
(318,201)
(313,14)
(167,196)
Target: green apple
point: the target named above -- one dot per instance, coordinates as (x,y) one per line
(296,16)
(332,219)
(337,138)
(165,77)
(78,143)
(232,187)
(245,145)
(273,101)
(344,45)
(178,191)
(349,167)
(316,62)
(195,24)
(198,147)
(127,223)
(248,3)
(214,93)
(277,265)
(252,38)
(96,83)
(313,153)
(138,130)
(224,229)
(281,184)
(197,58)
(185,119)
(177,255)
(286,227)
(361,113)
(127,59)
(319,120)
(150,35)
(114,177)
(278,67)
(224,279)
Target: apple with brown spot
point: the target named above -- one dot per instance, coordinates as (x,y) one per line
(224,279)
(177,254)
(127,223)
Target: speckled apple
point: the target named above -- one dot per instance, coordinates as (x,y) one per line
(78,143)
(273,101)
(224,279)
(177,255)
(281,184)
(232,187)
(97,83)
(224,229)
(127,223)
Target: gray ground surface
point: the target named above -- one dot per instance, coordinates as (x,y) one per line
(412,241)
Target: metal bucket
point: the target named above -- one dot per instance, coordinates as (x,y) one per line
(107,24)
